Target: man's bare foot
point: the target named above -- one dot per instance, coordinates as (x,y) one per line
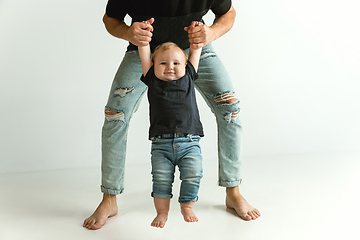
(187,212)
(160,220)
(235,200)
(162,206)
(107,208)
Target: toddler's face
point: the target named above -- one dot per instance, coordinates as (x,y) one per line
(170,64)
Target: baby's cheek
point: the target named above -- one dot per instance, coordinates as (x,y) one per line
(181,72)
(158,71)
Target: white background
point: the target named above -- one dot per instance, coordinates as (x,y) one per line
(295,66)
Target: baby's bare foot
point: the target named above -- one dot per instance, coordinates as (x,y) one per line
(187,212)
(107,208)
(236,201)
(160,220)
(162,206)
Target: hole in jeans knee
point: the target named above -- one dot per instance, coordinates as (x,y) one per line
(232,116)
(112,115)
(123,91)
(226,98)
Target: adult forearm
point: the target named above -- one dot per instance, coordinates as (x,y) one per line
(139,33)
(116,27)
(223,23)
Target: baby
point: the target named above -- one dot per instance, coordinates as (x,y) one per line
(175,127)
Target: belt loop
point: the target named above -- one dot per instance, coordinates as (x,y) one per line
(190,136)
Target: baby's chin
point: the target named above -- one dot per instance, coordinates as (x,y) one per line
(169,77)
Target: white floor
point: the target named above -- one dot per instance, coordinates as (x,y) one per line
(300,197)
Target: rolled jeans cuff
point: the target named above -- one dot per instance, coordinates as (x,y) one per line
(161,195)
(230,183)
(110,191)
(187,200)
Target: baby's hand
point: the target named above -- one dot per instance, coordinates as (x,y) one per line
(193,24)
(140,33)
(196,24)
(148,23)
(198,34)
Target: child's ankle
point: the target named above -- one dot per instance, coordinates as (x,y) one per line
(187,205)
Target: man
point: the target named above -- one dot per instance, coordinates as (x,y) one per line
(172,19)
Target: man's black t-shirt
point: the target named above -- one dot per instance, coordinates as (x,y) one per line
(173,107)
(171,16)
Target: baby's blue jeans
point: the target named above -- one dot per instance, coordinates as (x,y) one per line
(169,151)
(213,84)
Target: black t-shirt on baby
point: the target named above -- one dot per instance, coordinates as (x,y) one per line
(171,16)
(173,107)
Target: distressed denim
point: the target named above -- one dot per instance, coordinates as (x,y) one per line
(214,84)
(169,151)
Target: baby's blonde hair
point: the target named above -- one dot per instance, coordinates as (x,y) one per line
(166,46)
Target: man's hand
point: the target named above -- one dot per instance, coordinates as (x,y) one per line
(140,33)
(195,47)
(200,34)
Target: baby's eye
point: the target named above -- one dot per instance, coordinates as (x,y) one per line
(163,63)
(176,63)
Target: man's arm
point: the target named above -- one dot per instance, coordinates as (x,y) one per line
(138,33)
(203,35)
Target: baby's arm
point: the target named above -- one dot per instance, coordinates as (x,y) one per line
(145,54)
(194,54)
(145,57)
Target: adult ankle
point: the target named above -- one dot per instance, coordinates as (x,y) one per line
(232,190)
(110,198)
